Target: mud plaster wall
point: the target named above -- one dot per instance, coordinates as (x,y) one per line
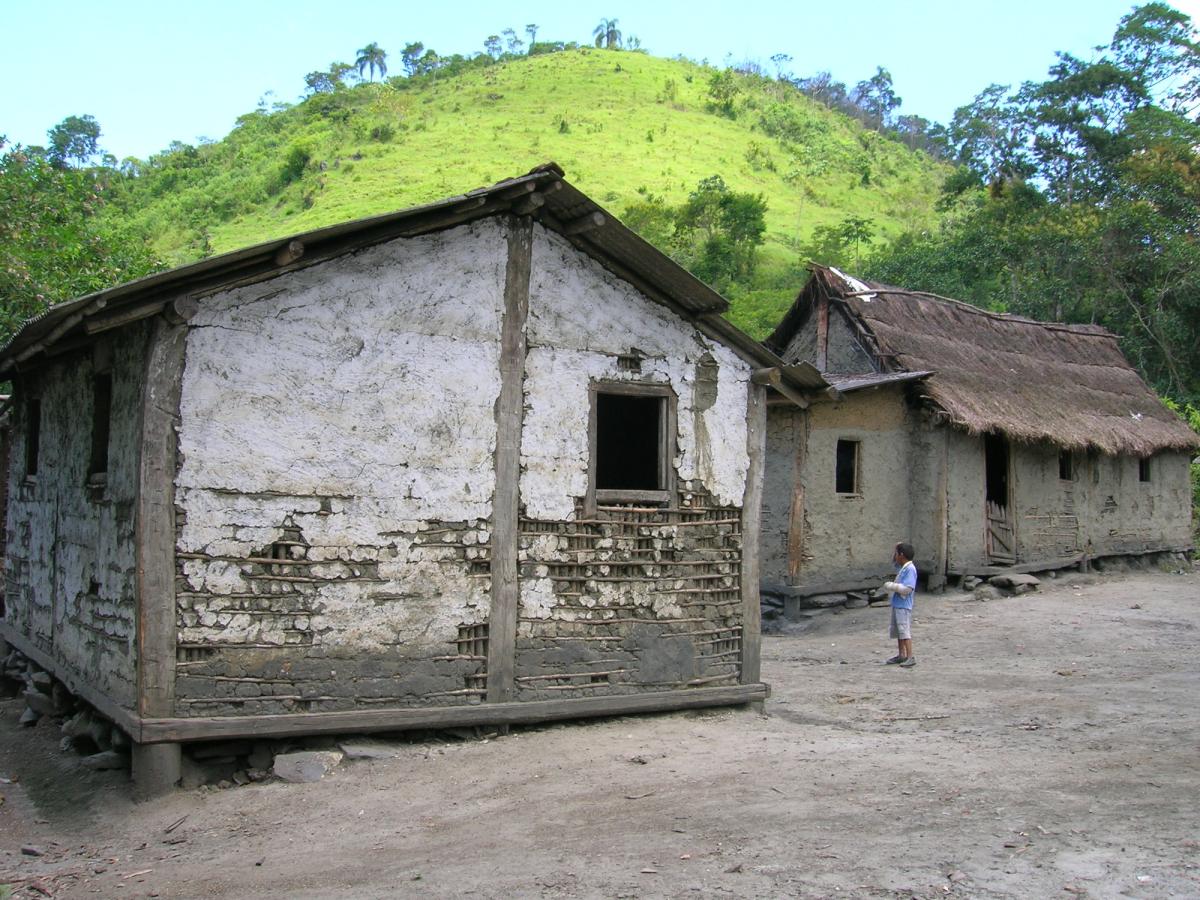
(1104,509)
(844,354)
(849,536)
(786,431)
(71,556)
(334,493)
(628,601)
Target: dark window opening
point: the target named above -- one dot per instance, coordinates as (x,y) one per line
(995,450)
(33,435)
(101,417)
(1066,466)
(629,442)
(1144,469)
(846,475)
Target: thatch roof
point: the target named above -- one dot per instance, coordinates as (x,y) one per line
(1034,381)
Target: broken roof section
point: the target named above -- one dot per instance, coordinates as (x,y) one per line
(989,372)
(543,194)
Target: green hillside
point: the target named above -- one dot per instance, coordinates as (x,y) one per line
(623,125)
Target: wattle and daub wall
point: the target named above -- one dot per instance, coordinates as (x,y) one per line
(70,557)
(336,479)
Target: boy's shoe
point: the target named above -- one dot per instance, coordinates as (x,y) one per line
(895,660)
(908,663)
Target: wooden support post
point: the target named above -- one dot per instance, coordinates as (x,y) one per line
(157,769)
(154,538)
(502,622)
(756,439)
(795,545)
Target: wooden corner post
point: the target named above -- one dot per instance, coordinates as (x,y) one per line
(156,766)
(756,438)
(502,622)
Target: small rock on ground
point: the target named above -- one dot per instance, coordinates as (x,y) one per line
(307,765)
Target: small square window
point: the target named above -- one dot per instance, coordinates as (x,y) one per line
(1066,465)
(633,433)
(846,474)
(1144,469)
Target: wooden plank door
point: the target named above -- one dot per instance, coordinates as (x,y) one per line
(1000,537)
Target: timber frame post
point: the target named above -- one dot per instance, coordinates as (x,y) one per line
(510,405)
(756,438)
(156,768)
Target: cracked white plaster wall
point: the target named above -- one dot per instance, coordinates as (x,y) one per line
(581,318)
(372,376)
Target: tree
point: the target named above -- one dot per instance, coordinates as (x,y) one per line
(410,57)
(371,58)
(876,98)
(607,35)
(74,138)
(532,31)
(1092,205)
(512,43)
(723,89)
(54,244)
(492,45)
(725,229)
(780,60)
(990,136)
(822,88)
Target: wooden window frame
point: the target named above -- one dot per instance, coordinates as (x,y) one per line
(857,490)
(667,438)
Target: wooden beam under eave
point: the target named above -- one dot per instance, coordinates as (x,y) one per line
(587,222)
(510,409)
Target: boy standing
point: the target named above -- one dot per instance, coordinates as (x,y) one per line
(902,591)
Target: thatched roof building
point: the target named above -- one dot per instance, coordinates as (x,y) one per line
(990,441)
(991,372)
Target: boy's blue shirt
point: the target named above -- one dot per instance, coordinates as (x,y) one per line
(906,576)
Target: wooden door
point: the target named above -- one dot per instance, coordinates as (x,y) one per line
(1000,543)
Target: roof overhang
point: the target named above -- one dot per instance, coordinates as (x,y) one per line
(543,194)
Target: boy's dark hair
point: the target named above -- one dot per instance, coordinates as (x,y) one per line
(905,549)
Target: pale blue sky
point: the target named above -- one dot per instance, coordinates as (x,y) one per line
(153,71)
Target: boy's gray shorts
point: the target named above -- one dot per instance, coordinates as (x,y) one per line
(901,627)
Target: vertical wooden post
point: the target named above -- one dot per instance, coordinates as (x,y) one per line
(157,769)
(795,545)
(756,438)
(510,406)
(822,333)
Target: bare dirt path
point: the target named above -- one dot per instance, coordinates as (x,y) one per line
(1046,745)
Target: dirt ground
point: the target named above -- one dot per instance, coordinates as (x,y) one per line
(1046,745)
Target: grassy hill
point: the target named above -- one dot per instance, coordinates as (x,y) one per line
(623,125)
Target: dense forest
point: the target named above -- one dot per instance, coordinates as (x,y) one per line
(1072,199)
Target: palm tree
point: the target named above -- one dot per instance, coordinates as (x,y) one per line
(607,35)
(372,57)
